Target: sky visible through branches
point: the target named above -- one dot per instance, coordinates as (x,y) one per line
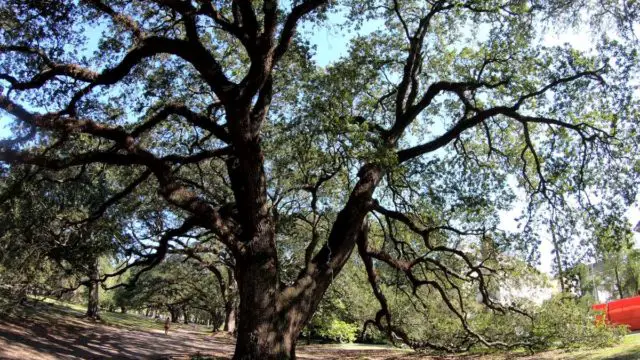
(332,42)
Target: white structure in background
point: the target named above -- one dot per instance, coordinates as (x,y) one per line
(532,286)
(600,295)
(540,287)
(536,290)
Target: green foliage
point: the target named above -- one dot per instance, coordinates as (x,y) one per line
(565,322)
(336,330)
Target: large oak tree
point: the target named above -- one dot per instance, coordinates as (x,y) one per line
(215,113)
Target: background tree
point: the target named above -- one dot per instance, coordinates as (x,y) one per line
(178,288)
(43,227)
(210,256)
(411,145)
(613,264)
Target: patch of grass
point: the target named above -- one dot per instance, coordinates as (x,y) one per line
(356,346)
(45,309)
(204,357)
(143,323)
(75,307)
(129,321)
(629,349)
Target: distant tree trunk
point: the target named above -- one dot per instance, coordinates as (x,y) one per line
(230,317)
(228,290)
(618,283)
(633,279)
(185,314)
(94,291)
(556,247)
(123,309)
(174,313)
(215,320)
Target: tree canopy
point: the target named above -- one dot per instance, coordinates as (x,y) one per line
(208,128)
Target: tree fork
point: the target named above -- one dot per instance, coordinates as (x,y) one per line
(271,316)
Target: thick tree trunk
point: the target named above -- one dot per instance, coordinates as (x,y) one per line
(93,302)
(272,317)
(262,332)
(269,332)
(215,320)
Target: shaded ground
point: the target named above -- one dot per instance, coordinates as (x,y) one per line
(71,337)
(54,332)
(57,332)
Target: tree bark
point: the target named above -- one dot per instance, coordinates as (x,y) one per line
(266,330)
(230,317)
(556,247)
(618,282)
(185,315)
(215,320)
(174,313)
(93,303)
(262,332)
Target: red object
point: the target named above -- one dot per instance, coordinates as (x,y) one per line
(620,312)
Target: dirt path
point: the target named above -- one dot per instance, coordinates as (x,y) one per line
(71,337)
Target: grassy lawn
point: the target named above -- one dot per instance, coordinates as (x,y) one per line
(629,349)
(116,319)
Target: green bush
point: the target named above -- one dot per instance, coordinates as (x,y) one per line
(565,322)
(338,330)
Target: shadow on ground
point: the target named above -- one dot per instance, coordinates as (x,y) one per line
(61,334)
(55,332)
